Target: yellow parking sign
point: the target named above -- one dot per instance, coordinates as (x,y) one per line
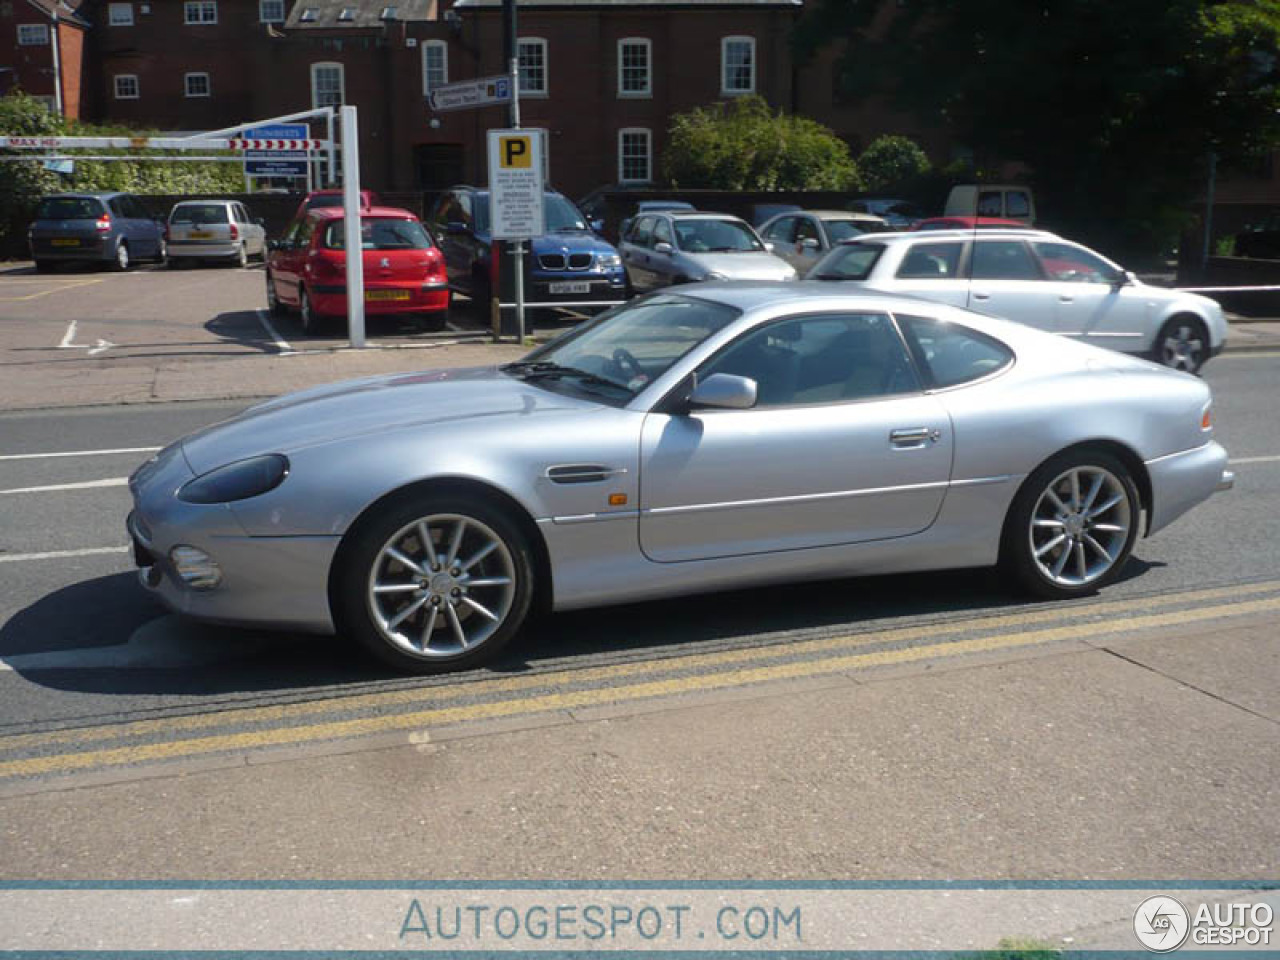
(517,174)
(515,151)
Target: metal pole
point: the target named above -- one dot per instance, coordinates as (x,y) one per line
(351,227)
(519,258)
(1208,212)
(509,55)
(333,168)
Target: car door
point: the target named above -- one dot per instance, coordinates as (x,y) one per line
(932,269)
(144,230)
(286,265)
(663,264)
(807,245)
(842,447)
(780,234)
(635,250)
(1006,281)
(1092,299)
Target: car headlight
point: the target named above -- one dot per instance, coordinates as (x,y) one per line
(237,481)
(712,275)
(609,261)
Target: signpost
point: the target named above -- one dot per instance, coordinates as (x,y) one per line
(516,182)
(466,94)
(276,163)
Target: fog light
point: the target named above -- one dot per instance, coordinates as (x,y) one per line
(197,569)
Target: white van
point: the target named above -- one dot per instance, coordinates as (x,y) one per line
(1010,202)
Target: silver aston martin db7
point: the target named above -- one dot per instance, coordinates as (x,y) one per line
(715,438)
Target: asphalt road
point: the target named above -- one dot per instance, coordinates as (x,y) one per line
(89,664)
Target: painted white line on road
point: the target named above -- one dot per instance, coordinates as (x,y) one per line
(61,554)
(83,485)
(281,344)
(76,453)
(1271,459)
(68,336)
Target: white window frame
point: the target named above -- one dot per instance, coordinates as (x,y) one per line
(541,44)
(33,34)
(342,83)
(623,134)
(200,8)
(186,86)
(120,14)
(429,46)
(115,86)
(262,11)
(725,43)
(647,91)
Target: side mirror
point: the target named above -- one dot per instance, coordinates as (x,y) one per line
(770,246)
(274,245)
(809,243)
(260,221)
(724,391)
(663,247)
(1124,279)
(455,227)
(597,226)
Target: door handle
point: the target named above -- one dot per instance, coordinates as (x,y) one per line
(1065,299)
(981,296)
(914,437)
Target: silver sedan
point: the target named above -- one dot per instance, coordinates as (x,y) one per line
(673,247)
(726,436)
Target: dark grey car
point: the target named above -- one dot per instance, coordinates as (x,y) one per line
(111,228)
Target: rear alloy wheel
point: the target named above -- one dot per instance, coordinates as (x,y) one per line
(1072,525)
(242,257)
(1183,344)
(435,585)
(310,319)
(121,262)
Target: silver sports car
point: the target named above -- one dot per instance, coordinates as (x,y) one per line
(724,436)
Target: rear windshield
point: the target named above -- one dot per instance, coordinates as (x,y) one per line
(69,208)
(382,233)
(848,229)
(849,261)
(199,213)
(325,200)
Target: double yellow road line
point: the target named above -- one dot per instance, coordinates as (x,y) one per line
(306,722)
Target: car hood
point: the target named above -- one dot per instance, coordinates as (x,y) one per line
(570,241)
(380,404)
(749,265)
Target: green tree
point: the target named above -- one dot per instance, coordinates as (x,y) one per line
(891,160)
(743,145)
(23,181)
(1114,106)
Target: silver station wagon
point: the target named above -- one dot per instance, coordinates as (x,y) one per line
(672,247)
(214,230)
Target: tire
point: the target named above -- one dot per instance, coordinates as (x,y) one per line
(307,314)
(162,253)
(121,262)
(241,259)
(1079,529)
(1182,344)
(177,263)
(44,266)
(399,627)
(434,322)
(274,306)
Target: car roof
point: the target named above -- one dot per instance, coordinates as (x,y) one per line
(183,203)
(336,213)
(695,215)
(903,236)
(96,194)
(835,215)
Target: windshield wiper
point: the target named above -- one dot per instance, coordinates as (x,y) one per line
(545,369)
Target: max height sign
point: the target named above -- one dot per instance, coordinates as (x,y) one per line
(516,176)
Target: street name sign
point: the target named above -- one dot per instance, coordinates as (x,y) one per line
(276,163)
(516,178)
(467,94)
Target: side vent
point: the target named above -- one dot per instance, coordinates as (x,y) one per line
(580,473)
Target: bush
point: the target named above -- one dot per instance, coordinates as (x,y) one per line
(891,161)
(743,145)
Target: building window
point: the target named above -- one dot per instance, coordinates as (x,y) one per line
(308,15)
(200,11)
(271,11)
(531,53)
(126,86)
(33,34)
(634,67)
(435,65)
(197,84)
(635,152)
(738,65)
(326,85)
(120,14)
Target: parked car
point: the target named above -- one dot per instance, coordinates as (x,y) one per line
(1010,201)
(332,198)
(214,230)
(650,206)
(967,223)
(1039,279)
(112,228)
(725,436)
(898,214)
(801,238)
(1261,240)
(570,263)
(666,248)
(403,269)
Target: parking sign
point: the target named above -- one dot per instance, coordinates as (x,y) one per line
(516,179)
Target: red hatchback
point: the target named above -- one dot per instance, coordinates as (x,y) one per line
(403,268)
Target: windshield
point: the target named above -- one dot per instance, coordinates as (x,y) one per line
(852,261)
(715,236)
(69,208)
(848,229)
(199,213)
(634,344)
(383,233)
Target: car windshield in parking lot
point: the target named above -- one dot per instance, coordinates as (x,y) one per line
(199,213)
(379,234)
(852,261)
(69,208)
(710,235)
(848,229)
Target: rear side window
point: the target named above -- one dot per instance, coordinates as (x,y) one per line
(199,213)
(1003,260)
(932,261)
(951,354)
(383,233)
(1017,204)
(69,208)
(990,204)
(850,261)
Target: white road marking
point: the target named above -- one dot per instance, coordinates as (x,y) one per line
(100,347)
(69,335)
(77,453)
(281,344)
(83,485)
(1271,459)
(61,554)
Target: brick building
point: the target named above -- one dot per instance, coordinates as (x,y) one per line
(42,52)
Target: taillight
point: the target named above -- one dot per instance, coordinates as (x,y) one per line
(104,223)
(235,232)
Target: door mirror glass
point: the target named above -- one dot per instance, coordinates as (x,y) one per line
(724,391)
(769,245)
